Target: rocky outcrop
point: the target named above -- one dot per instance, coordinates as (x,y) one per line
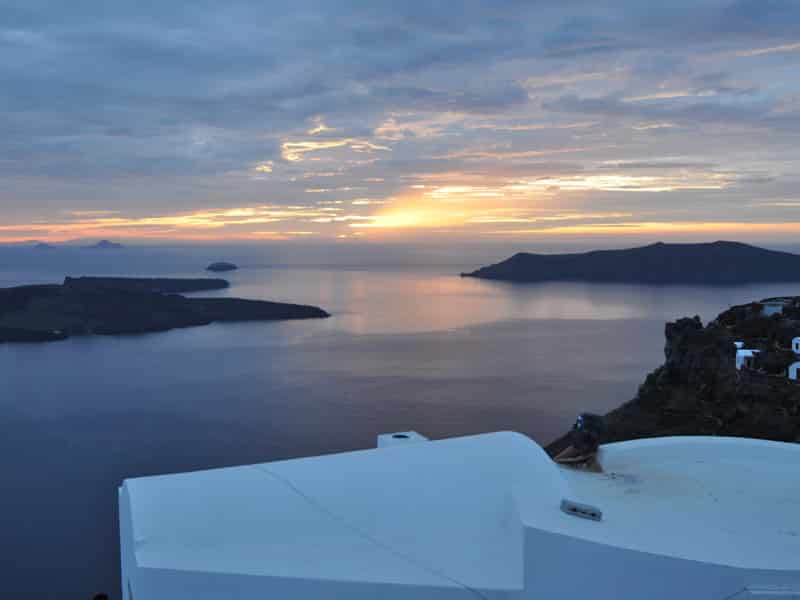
(699,391)
(105,306)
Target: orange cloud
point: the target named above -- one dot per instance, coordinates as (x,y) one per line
(235,223)
(658,228)
(455,202)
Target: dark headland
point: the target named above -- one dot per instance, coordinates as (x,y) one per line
(715,263)
(118,305)
(699,391)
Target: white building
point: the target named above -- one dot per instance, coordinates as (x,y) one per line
(744,356)
(795,367)
(774,306)
(481,517)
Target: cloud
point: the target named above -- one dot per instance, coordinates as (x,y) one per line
(757,114)
(163,110)
(296,151)
(794,47)
(656,228)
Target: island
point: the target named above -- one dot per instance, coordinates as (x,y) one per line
(105,245)
(715,263)
(735,376)
(220,267)
(118,305)
(161,285)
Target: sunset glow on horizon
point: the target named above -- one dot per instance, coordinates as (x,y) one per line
(509,122)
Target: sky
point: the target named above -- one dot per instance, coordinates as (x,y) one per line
(517,120)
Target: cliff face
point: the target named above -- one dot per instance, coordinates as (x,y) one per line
(699,391)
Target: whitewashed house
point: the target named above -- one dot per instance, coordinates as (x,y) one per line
(744,356)
(795,366)
(772,308)
(775,306)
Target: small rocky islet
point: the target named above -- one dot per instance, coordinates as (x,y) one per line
(121,305)
(221,267)
(699,390)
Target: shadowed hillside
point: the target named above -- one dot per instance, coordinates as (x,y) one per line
(699,391)
(717,263)
(113,305)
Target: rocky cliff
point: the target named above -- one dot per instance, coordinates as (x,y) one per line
(699,391)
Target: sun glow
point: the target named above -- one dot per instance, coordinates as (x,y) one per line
(409,218)
(449,203)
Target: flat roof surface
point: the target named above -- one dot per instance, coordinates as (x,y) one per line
(435,513)
(451,513)
(729,501)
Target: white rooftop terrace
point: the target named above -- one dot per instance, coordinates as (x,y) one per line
(472,517)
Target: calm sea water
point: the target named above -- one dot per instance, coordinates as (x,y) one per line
(407,348)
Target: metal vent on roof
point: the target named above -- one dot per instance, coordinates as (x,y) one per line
(584,511)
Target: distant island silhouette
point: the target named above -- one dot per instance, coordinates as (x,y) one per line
(219,267)
(715,263)
(159,285)
(120,305)
(105,245)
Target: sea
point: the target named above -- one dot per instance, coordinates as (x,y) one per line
(410,345)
